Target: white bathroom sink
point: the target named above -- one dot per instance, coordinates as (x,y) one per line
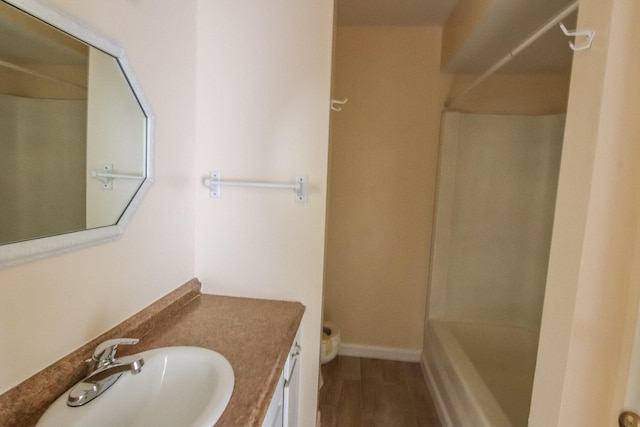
(177,386)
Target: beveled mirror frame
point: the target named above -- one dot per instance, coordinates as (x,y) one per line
(30,250)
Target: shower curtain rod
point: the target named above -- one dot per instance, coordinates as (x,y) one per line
(523,45)
(38,74)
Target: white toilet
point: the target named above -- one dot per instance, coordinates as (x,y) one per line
(330,342)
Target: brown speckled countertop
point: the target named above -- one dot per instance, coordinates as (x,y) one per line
(254,335)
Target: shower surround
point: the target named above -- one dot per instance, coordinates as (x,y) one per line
(496,194)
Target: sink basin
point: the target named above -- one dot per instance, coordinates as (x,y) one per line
(178,386)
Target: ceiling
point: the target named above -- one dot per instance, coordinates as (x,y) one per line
(394,12)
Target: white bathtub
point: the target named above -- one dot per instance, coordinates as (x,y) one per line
(480,374)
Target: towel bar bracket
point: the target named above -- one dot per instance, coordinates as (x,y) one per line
(107,183)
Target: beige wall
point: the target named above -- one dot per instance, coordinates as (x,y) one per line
(383,161)
(532,93)
(591,300)
(264,73)
(50,307)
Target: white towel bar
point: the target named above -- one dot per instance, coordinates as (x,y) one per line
(299,186)
(106,176)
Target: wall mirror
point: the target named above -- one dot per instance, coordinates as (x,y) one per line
(75,135)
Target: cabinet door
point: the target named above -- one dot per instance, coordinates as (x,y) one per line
(292,386)
(274,417)
(283,410)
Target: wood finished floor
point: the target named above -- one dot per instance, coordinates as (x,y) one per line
(360,392)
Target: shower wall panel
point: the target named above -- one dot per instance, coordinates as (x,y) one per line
(38,194)
(496,197)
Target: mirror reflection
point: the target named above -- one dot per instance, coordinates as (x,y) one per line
(72,133)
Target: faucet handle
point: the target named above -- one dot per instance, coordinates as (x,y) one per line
(105,353)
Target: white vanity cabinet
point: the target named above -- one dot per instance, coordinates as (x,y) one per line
(283,409)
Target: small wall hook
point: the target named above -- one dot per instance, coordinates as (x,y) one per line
(340,102)
(589,34)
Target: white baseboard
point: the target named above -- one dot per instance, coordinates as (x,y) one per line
(385,353)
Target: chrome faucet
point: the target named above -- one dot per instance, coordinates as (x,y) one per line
(105,371)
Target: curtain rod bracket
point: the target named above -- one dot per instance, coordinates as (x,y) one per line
(589,34)
(339,102)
